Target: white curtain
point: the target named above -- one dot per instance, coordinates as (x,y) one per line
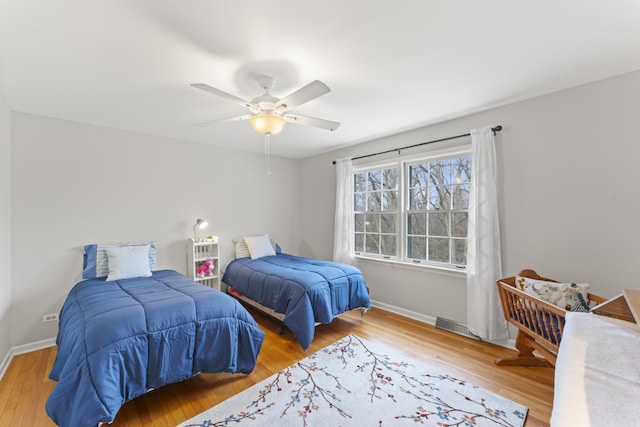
(484,264)
(343,231)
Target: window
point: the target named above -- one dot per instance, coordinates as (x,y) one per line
(418,216)
(376,212)
(437,213)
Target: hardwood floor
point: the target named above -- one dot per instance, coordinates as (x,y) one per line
(25,386)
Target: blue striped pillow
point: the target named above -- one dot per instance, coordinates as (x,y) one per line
(96,261)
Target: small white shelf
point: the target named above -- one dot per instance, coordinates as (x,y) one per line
(197,254)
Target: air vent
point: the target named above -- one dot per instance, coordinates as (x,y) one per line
(455,327)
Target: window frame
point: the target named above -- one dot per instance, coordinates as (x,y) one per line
(403,163)
(397,211)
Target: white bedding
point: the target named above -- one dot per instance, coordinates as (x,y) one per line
(597,375)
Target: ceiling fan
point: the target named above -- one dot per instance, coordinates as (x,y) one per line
(268,113)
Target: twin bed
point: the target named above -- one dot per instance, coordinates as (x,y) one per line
(301,292)
(127,329)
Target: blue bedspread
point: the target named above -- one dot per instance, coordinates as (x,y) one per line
(305,290)
(119,339)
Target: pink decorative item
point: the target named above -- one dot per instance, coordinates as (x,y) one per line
(205,268)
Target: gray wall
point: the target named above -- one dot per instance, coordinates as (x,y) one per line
(568,196)
(75,184)
(568,201)
(5,230)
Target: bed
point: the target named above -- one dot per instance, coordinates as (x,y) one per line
(301,292)
(597,377)
(119,337)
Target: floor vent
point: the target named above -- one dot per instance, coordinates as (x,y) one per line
(455,327)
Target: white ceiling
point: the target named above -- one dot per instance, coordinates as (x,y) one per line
(392,66)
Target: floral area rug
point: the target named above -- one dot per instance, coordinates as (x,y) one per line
(355,382)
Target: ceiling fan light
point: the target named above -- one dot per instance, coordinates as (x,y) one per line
(267,124)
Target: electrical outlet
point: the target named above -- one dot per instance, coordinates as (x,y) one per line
(49,317)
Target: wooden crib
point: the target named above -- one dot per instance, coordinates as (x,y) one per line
(540,324)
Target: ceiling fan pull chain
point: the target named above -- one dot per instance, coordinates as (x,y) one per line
(266,152)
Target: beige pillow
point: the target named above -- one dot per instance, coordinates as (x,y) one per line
(568,296)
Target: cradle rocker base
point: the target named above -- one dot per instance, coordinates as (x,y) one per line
(525,357)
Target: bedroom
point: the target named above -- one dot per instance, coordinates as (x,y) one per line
(68,182)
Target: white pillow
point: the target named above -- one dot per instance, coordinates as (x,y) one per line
(259,246)
(126,262)
(96,262)
(242,251)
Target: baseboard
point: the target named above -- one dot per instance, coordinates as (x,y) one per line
(21,349)
(404,312)
(508,343)
(5,363)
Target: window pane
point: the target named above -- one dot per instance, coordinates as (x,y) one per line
(388,223)
(460,252)
(462,169)
(417,224)
(440,172)
(459,222)
(439,224)
(372,223)
(372,243)
(418,198)
(461,196)
(389,200)
(390,179)
(359,204)
(374,180)
(419,175)
(358,225)
(438,249)
(417,247)
(388,245)
(373,201)
(358,243)
(360,182)
(439,198)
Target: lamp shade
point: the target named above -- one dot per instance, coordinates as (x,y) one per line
(267,124)
(200,225)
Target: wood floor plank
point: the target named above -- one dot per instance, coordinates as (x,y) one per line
(25,386)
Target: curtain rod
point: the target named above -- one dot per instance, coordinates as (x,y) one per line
(494,129)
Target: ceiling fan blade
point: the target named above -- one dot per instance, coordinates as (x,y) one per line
(305,94)
(222,94)
(230,119)
(312,121)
